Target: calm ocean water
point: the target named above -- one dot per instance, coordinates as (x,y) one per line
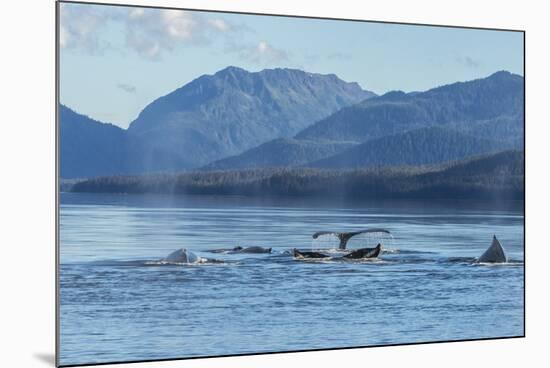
(115,306)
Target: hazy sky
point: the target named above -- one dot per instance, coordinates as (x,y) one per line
(115,60)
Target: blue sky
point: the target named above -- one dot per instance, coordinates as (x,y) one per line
(116,60)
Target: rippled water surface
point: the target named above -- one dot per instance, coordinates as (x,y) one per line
(116,305)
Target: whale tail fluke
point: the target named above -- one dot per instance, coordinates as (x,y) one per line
(345,237)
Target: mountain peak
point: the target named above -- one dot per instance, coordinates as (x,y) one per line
(277,72)
(234,109)
(504,75)
(231,69)
(500,73)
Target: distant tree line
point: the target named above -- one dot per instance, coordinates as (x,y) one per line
(495,176)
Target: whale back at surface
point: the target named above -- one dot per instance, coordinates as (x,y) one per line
(305,254)
(182,256)
(365,253)
(256,249)
(493,254)
(252,249)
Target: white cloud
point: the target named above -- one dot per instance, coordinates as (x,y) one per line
(260,53)
(136,13)
(263,47)
(270,53)
(220,25)
(153,32)
(78,27)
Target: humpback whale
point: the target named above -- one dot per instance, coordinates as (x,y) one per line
(493,254)
(182,256)
(239,249)
(364,253)
(356,254)
(345,237)
(253,249)
(303,254)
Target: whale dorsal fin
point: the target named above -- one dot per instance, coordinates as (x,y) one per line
(494,254)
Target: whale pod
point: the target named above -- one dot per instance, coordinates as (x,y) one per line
(494,254)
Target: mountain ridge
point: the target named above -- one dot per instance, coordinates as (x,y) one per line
(218,115)
(280,152)
(423,146)
(499,94)
(209,118)
(203,134)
